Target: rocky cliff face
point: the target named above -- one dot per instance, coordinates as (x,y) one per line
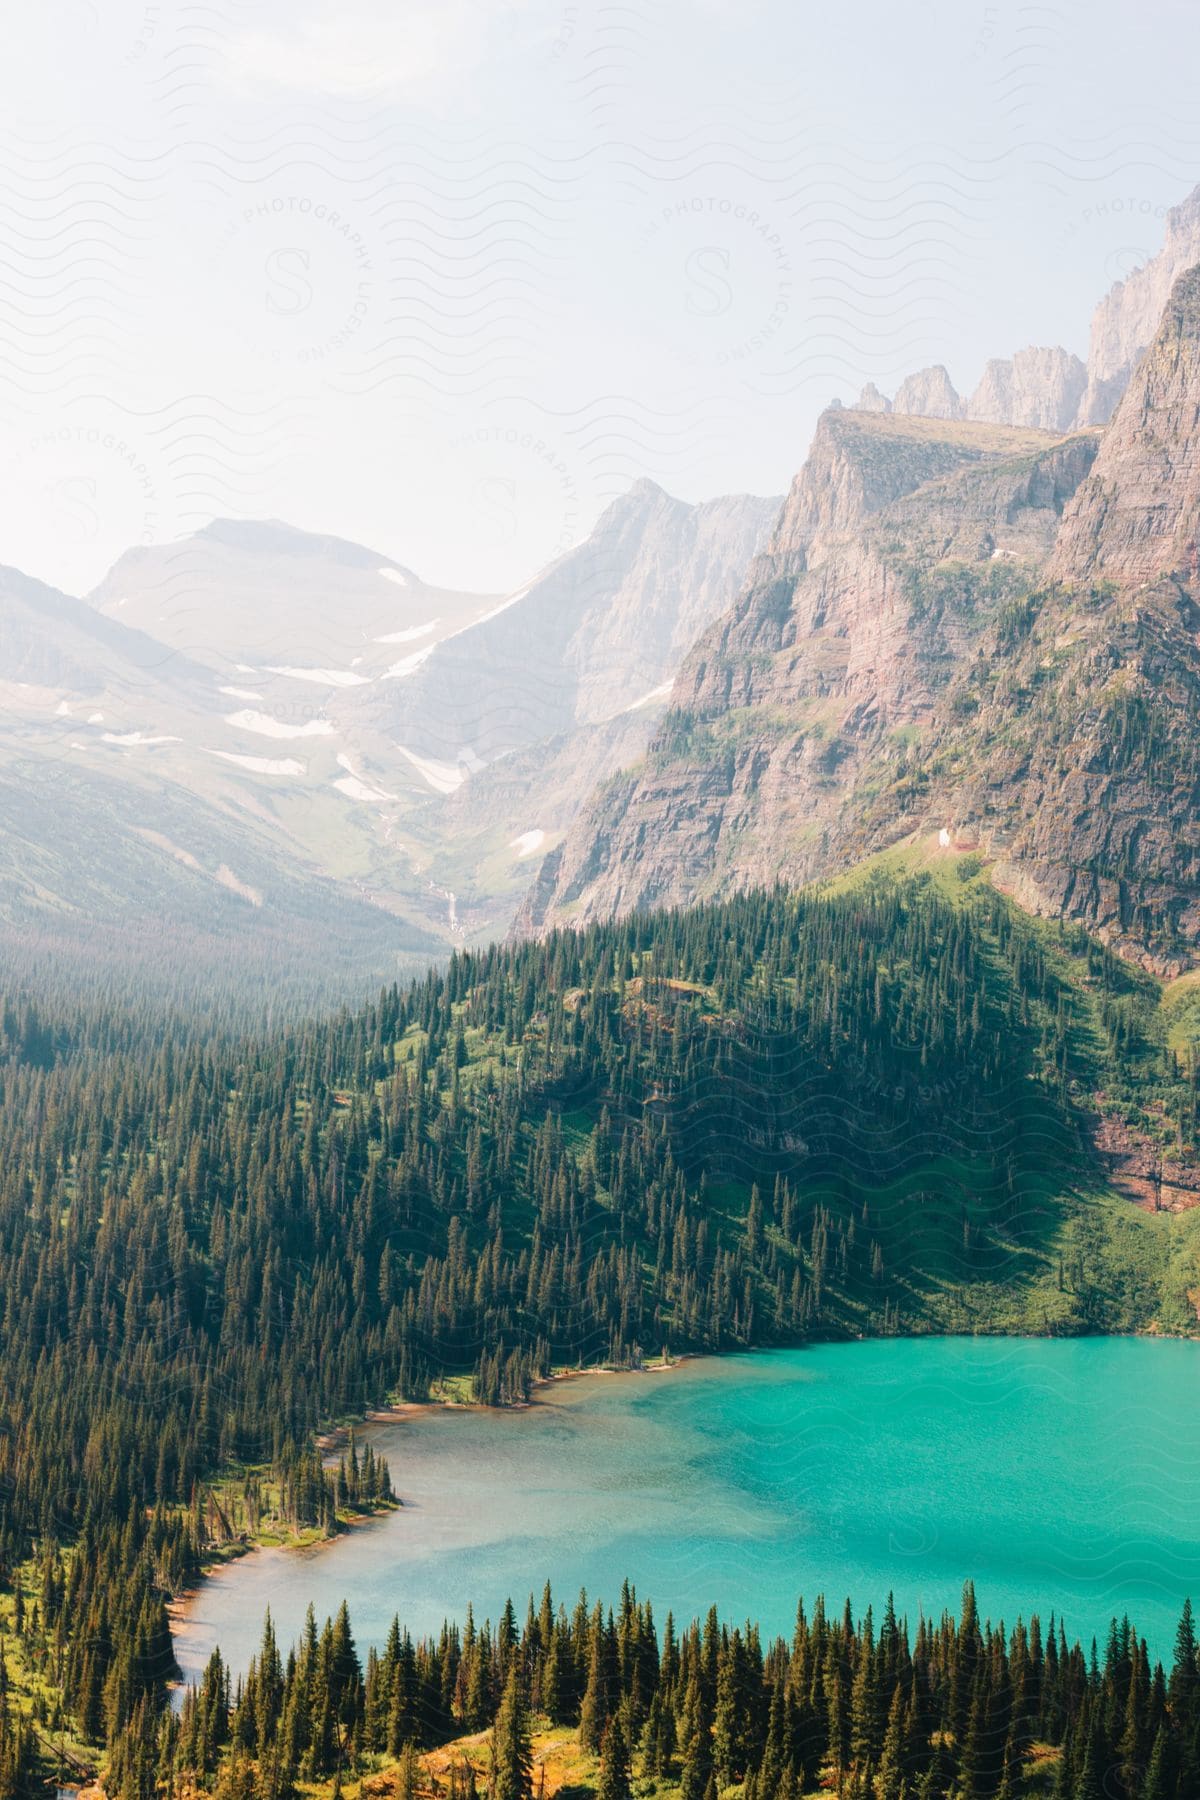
(1124,322)
(930,394)
(1137,517)
(1050,389)
(832,661)
(858,465)
(599,631)
(1039,387)
(1006,652)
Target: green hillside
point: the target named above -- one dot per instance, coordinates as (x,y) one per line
(780,1117)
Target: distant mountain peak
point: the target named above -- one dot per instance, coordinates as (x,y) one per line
(1050,388)
(275,537)
(930,393)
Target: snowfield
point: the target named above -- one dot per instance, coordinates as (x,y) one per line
(326,677)
(407,664)
(442,777)
(414,631)
(262,765)
(266,726)
(135,737)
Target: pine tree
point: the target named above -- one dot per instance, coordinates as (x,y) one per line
(892,1760)
(695,1735)
(615,1776)
(594,1709)
(1158,1783)
(512,1752)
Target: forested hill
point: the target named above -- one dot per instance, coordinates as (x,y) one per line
(773,1117)
(777,1117)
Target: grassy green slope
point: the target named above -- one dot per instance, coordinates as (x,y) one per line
(1134,1044)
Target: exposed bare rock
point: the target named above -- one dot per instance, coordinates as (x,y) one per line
(1126,319)
(799,726)
(930,394)
(861,462)
(1049,388)
(1138,1168)
(872,401)
(975,636)
(598,632)
(1041,387)
(1137,517)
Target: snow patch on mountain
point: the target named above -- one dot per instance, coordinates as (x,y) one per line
(485,618)
(266,726)
(262,765)
(658,693)
(135,737)
(442,777)
(354,787)
(407,664)
(406,637)
(326,677)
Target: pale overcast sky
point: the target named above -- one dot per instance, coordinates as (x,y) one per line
(447,275)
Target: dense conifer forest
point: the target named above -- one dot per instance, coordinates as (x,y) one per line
(950,1710)
(774,1118)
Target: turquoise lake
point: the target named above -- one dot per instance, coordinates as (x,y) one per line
(1059,1475)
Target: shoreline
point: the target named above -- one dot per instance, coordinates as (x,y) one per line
(490,1498)
(410,1409)
(181,1606)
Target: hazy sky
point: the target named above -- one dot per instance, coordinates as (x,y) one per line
(446,275)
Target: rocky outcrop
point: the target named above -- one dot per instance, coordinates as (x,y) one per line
(1137,517)
(1126,319)
(872,401)
(929,394)
(1050,389)
(1004,655)
(1136,1166)
(859,464)
(1039,387)
(828,674)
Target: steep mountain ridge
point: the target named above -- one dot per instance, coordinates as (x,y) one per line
(1137,516)
(268,766)
(1007,654)
(820,671)
(54,641)
(1125,321)
(599,630)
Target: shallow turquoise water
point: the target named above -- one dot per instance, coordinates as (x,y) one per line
(1059,1475)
